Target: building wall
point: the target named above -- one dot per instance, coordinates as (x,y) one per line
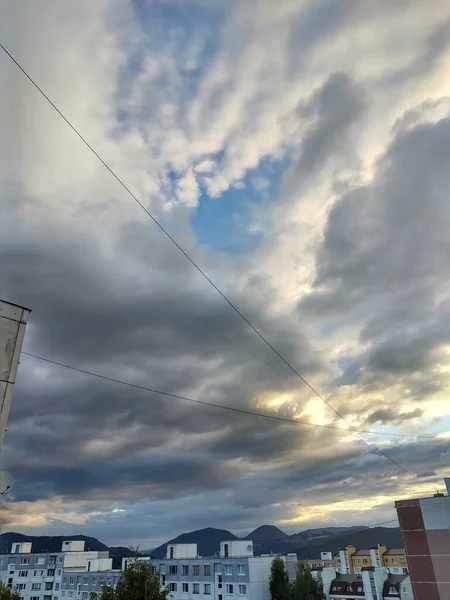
(78,585)
(226,578)
(45,576)
(35,575)
(425,525)
(13,321)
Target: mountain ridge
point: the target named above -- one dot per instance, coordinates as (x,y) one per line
(306,544)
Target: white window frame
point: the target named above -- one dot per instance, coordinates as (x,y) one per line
(242,586)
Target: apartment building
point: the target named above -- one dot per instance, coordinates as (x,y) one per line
(425,526)
(373,583)
(351,561)
(235,574)
(42,576)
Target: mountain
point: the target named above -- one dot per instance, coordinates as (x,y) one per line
(208,541)
(43,543)
(264,533)
(266,539)
(362,538)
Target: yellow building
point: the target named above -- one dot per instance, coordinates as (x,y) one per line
(351,561)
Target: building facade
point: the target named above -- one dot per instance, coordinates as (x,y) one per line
(351,561)
(235,574)
(73,573)
(373,583)
(425,526)
(55,575)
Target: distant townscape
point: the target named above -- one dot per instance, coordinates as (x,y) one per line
(214,564)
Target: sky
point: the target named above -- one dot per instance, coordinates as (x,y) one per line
(298,151)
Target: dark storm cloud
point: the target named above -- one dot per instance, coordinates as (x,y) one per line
(386,252)
(138,313)
(392,415)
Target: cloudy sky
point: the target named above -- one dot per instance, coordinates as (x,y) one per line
(299,151)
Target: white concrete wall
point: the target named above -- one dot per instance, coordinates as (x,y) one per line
(77,560)
(237,548)
(182,550)
(73,546)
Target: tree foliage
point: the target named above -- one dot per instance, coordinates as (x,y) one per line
(280,588)
(7,593)
(139,581)
(305,587)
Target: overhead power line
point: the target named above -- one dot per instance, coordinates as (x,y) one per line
(198,268)
(212,404)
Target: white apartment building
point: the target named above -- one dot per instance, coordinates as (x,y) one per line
(40,576)
(73,573)
(235,574)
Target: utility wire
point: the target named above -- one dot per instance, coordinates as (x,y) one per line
(212,404)
(197,267)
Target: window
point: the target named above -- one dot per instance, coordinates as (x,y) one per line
(207,588)
(196,588)
(40,560)
(60,559)
(56,587)
(242,590)
(34,598)
(185,570)
(94,581)
(85,581)
(163,579)
(207,570)
(196,570)
(229,588)
(405,571)
(241,569)
(71,581)
(23,573)
(21,586)
(70,594)
(35,587)
(173,587)
(58,572)
(24,561)
(50,572)
(173,569)
(228,569)
(38,573)
(2,561)
(185,588)
(84,595)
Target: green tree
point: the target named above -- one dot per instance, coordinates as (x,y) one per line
(139,581)
(280,587)
(7,593)
(306,587)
